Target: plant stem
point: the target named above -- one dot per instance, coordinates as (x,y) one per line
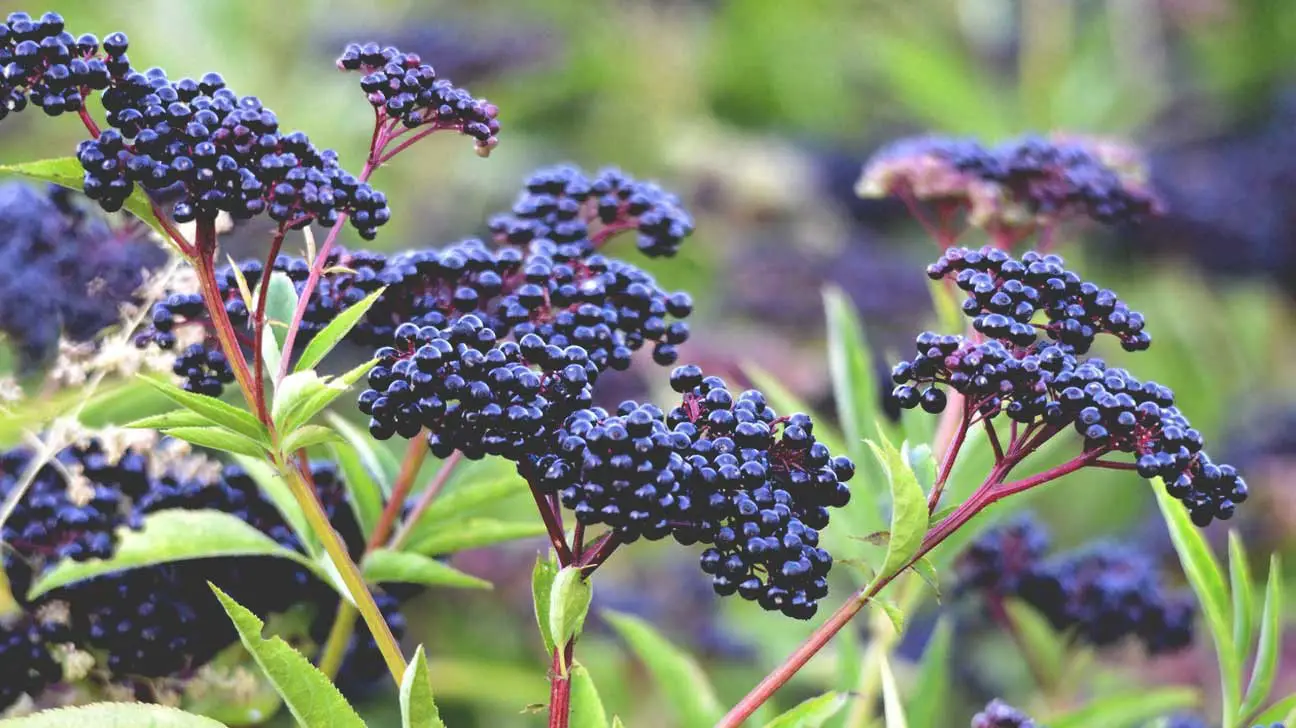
(415,455)
(599,552)
(347,569)
(206,244)
(993,436)
(560,686)
(428,495)
(947,462)
(339,638)
(557,536)
(259,321)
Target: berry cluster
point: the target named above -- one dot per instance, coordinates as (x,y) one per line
(719,470)
(1024,181)
(1103,593)
(26,666)
(400,86)
(999,714)
(44,65)
(66,271)
(1051,383)
(566,206)
(205,370)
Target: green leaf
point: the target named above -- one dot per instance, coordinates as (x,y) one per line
(927,570)
(308,436)
(922,462)
(678,675)
(277,491)
(616,722)
(294,391)
(311,394)
(218,438)
(542,580)
(384,565)
(175,418)
(1128,709)
(462,502)
(812,713)
(569,602)
(366,496)
(850,364)
(892,705)
(324,342)
(170,535)
(475,533)
(112,715)
(380,461)
(221,413)
(418,707)
(68,172)
(1242,586)
(586,706)
(893,613)
(1276,713)
(281,304)
(930,700)
(310,696)
(271,357)
(948,305)
(1047,648)
(1270,643)
(1207,581)
(908,508)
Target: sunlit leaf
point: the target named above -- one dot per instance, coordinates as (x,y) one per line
(1270,644)
(908,508)
(1243,588)
(112,715)
(380,461)
(309,436)
(586,706)
(277,491)
(474,533)
(812,713)
(221,413)
(542,579)
(176,418)
(217,438)
(281,304)
(366,495)
(385,565)
(324,342)
(569,602)
(892,705)
(418,707)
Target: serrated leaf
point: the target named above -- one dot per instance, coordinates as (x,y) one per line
(308,436)
(1207,581)
(812,713)
(1128,710)
(1242,586)
(310,696)
(68,172)
(231,689)
(112,715)
(170,535)
(542,579)
(569,602)
(908,508)
(854,384)
(366,496)
(176,418)
(1269,649)
(1048,648)
(312,399)
(930,699)
(418,706)
(281,304)
(892,705)
(217,438)
(292,393)
(586,706)
(273,486)
(221,413)
(688,691)
(385,565)
(324,342)
(892,612)
(1280,711)
(922,462)
(380,461)
(475,533)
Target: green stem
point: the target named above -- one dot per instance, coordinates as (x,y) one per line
(347,569)
(338,638)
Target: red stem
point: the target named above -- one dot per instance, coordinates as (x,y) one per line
(947,463)
(259,321)
(993,436)
(206,244)
(556,535)
(600,552)
(560,686)
(578,541)
(1017,486)
(415,454)
(428,495)
(387,156)
(1112,465)
(89,121)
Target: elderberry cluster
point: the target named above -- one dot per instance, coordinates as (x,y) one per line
(999,714)
(205,370)
(26,666)
(1051,383)
(1021,181)
(67,272)
(401,86)
(566,206)
(1102,593)
(45,65)
(720,470)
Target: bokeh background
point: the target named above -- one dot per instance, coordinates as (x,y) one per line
(759,113)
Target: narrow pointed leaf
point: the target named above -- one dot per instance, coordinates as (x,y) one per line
(324,342)
(176,418)
(569,602)
(892,705)
(309,436)
(170,535)
(1128,710)
(308,693)
(854,383)
(927,570)
(315,400)
(366,496)
(418,707)
(1270,644)
(475,533)
(281,304)
(586,706)
(68,172)
(385,565)
(278,492)
(1242,586)
(812,713)
(1047,647)
(1279,712)
(293,392)
(678,675)
(928,706)
(218,438)
(908,508)
(542,579)
(112,715)
(466,501)
(379,460)
(222,413)
(892,612)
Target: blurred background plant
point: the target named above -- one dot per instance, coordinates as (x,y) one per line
(760,114)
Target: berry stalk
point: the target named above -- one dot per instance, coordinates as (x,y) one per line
(259,318)
(560,686)
(204,265)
